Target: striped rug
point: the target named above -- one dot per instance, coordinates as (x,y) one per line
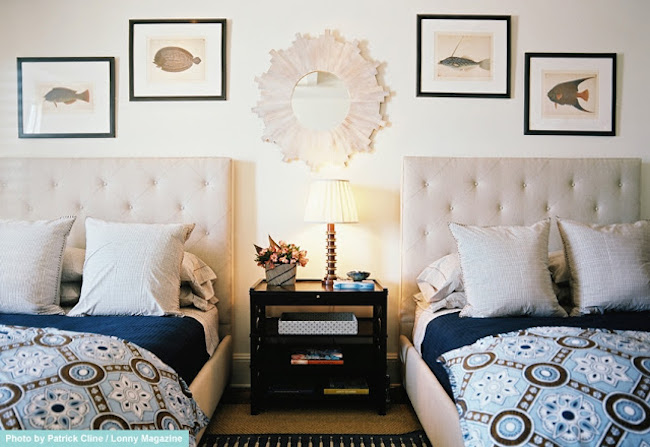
(412,439)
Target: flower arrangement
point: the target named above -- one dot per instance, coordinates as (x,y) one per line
(278,254)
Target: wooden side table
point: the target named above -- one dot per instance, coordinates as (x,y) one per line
(273,376)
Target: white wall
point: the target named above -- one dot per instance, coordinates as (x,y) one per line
(270,194)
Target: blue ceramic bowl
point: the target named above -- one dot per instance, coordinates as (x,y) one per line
(356,275)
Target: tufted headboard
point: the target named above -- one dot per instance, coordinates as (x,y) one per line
(503,191)
(151,190)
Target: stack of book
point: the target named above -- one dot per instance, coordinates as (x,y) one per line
(347,386)
(346,284)
(317,357)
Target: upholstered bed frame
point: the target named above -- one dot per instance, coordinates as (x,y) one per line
(160,190)
(492,191)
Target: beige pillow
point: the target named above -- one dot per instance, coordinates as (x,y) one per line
(31,256)
(609,265)
(505,270)
(73,264)
(131,268)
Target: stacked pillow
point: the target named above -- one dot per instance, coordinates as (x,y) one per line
(507,270)
(127,269)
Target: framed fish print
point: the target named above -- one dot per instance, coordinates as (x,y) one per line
(570,94)
(463,56)
(66,97)
(177,60)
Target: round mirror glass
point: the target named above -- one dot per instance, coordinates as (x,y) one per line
(320,101)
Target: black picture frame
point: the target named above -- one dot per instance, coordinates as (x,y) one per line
(177,59)
(570,94)
(66,97)
(463,56)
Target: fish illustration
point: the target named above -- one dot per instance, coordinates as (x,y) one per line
(566,93)
(174,59)
(66,96)
(463,63)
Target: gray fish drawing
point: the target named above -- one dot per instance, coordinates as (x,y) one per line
(66,96)
(566,93)
(464,63)
(174,59)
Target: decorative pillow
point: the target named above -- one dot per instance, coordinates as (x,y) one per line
(73,264)
(31,256)
(505,270)
(609,265)
(131,268)
(440,278)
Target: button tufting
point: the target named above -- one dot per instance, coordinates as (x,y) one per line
(206,183)
(130,206)
(105,183)
(573,185)
(426,184)
(426,233)
(182,207)
(548,208)
(475,183)
(155,182)
(451,208)
(620,185)
(525,185)
(500,207)
(596,208)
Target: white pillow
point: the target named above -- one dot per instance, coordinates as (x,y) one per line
(440,278)
(505,270)
(31,256)
(200,278)
(131,268)
(609,265)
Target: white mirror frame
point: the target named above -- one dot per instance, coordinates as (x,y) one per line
(353,134)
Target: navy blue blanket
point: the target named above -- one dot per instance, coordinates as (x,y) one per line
(179,342)
(449,331)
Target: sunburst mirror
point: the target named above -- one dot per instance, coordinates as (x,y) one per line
(320,100)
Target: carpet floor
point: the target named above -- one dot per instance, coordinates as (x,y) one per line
(346,417)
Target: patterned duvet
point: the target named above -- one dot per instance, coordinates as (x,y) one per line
(55,379)
(554,386)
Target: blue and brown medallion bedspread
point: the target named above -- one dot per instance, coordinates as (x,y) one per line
(55,379)
(554,386)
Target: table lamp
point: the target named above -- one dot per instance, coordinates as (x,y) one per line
(330,202)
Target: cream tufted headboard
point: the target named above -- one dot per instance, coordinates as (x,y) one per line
(503,191)
(152,190)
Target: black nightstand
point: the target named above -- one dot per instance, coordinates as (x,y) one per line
(273,376)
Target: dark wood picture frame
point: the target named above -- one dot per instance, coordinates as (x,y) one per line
(463,56)
(177,60)
(570,94)
(66,97)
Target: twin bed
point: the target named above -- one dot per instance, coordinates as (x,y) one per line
(88,381)
(123,361)
(525,373)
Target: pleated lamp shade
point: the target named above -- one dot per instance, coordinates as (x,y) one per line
(331,201)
